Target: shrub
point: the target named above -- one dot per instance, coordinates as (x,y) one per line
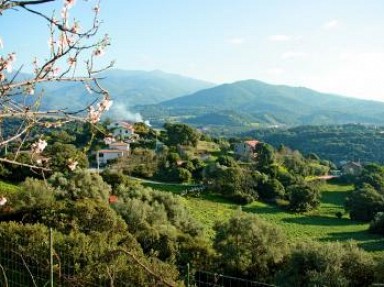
(326,264)
(363,203)
(377,224)
(79,185)
(303,197)
(249,247)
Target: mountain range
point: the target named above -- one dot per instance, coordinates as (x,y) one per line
(160,97)
(254,103)
(127,88)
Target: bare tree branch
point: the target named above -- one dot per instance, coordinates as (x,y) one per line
(4,276)
(68,44)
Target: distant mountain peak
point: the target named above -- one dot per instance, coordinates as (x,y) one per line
(258,103)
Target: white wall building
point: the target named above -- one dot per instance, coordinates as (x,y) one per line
(121,130)
(115,150)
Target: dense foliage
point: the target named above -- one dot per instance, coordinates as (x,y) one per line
(112,220)
(368,197)
(352,142)
(326,264)
(248,247)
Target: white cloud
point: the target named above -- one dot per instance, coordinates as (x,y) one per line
(279,38)
(332,24)
(236,41)
(293,55)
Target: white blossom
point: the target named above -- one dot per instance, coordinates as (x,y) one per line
(75,28)
(3,201)
(109,140)
(71,61)
(1,44)
(93,115)
(72,165)
(63,41)
(39,146)
(8,66)
(69,3)
(8,63)
(30,90)
(105,104)
(99,52)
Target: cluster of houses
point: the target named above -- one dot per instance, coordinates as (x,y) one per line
(123,133)
(247,150)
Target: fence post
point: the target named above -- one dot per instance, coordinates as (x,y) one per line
(50,257)
(187,274)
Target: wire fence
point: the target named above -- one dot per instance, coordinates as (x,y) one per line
(209,279)
(32,260)
(35,262)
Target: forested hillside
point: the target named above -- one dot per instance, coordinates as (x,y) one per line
(250,103)
(352,142)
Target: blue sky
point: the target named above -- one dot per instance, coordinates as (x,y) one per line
(329,45)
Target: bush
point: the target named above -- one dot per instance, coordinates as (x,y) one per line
(377,224)
(326,264)
(241,198)
(34,194)
(249,247)
(114,178)
(364,203)
(79,185)
(271,190)
(303,197)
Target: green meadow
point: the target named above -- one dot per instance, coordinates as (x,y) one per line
(321,224)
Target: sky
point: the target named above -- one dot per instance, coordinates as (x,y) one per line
(334,46)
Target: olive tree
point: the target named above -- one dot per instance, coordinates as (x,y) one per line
(249,247)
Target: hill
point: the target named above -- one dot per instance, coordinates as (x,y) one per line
(262,104)
(128,88)
(360,143)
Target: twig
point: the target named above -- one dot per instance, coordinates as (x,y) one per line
(4,276)
(24,164)
(26,267)
(152,273)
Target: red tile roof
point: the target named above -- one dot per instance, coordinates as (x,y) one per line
(113,199)
(252,143)
(126,125)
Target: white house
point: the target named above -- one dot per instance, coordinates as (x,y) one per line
(121,130)
(115,150)
(245,149)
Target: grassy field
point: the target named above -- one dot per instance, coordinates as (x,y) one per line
(321,224)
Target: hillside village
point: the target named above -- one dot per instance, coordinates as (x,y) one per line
(121,134)
(144,178)
(240,172)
